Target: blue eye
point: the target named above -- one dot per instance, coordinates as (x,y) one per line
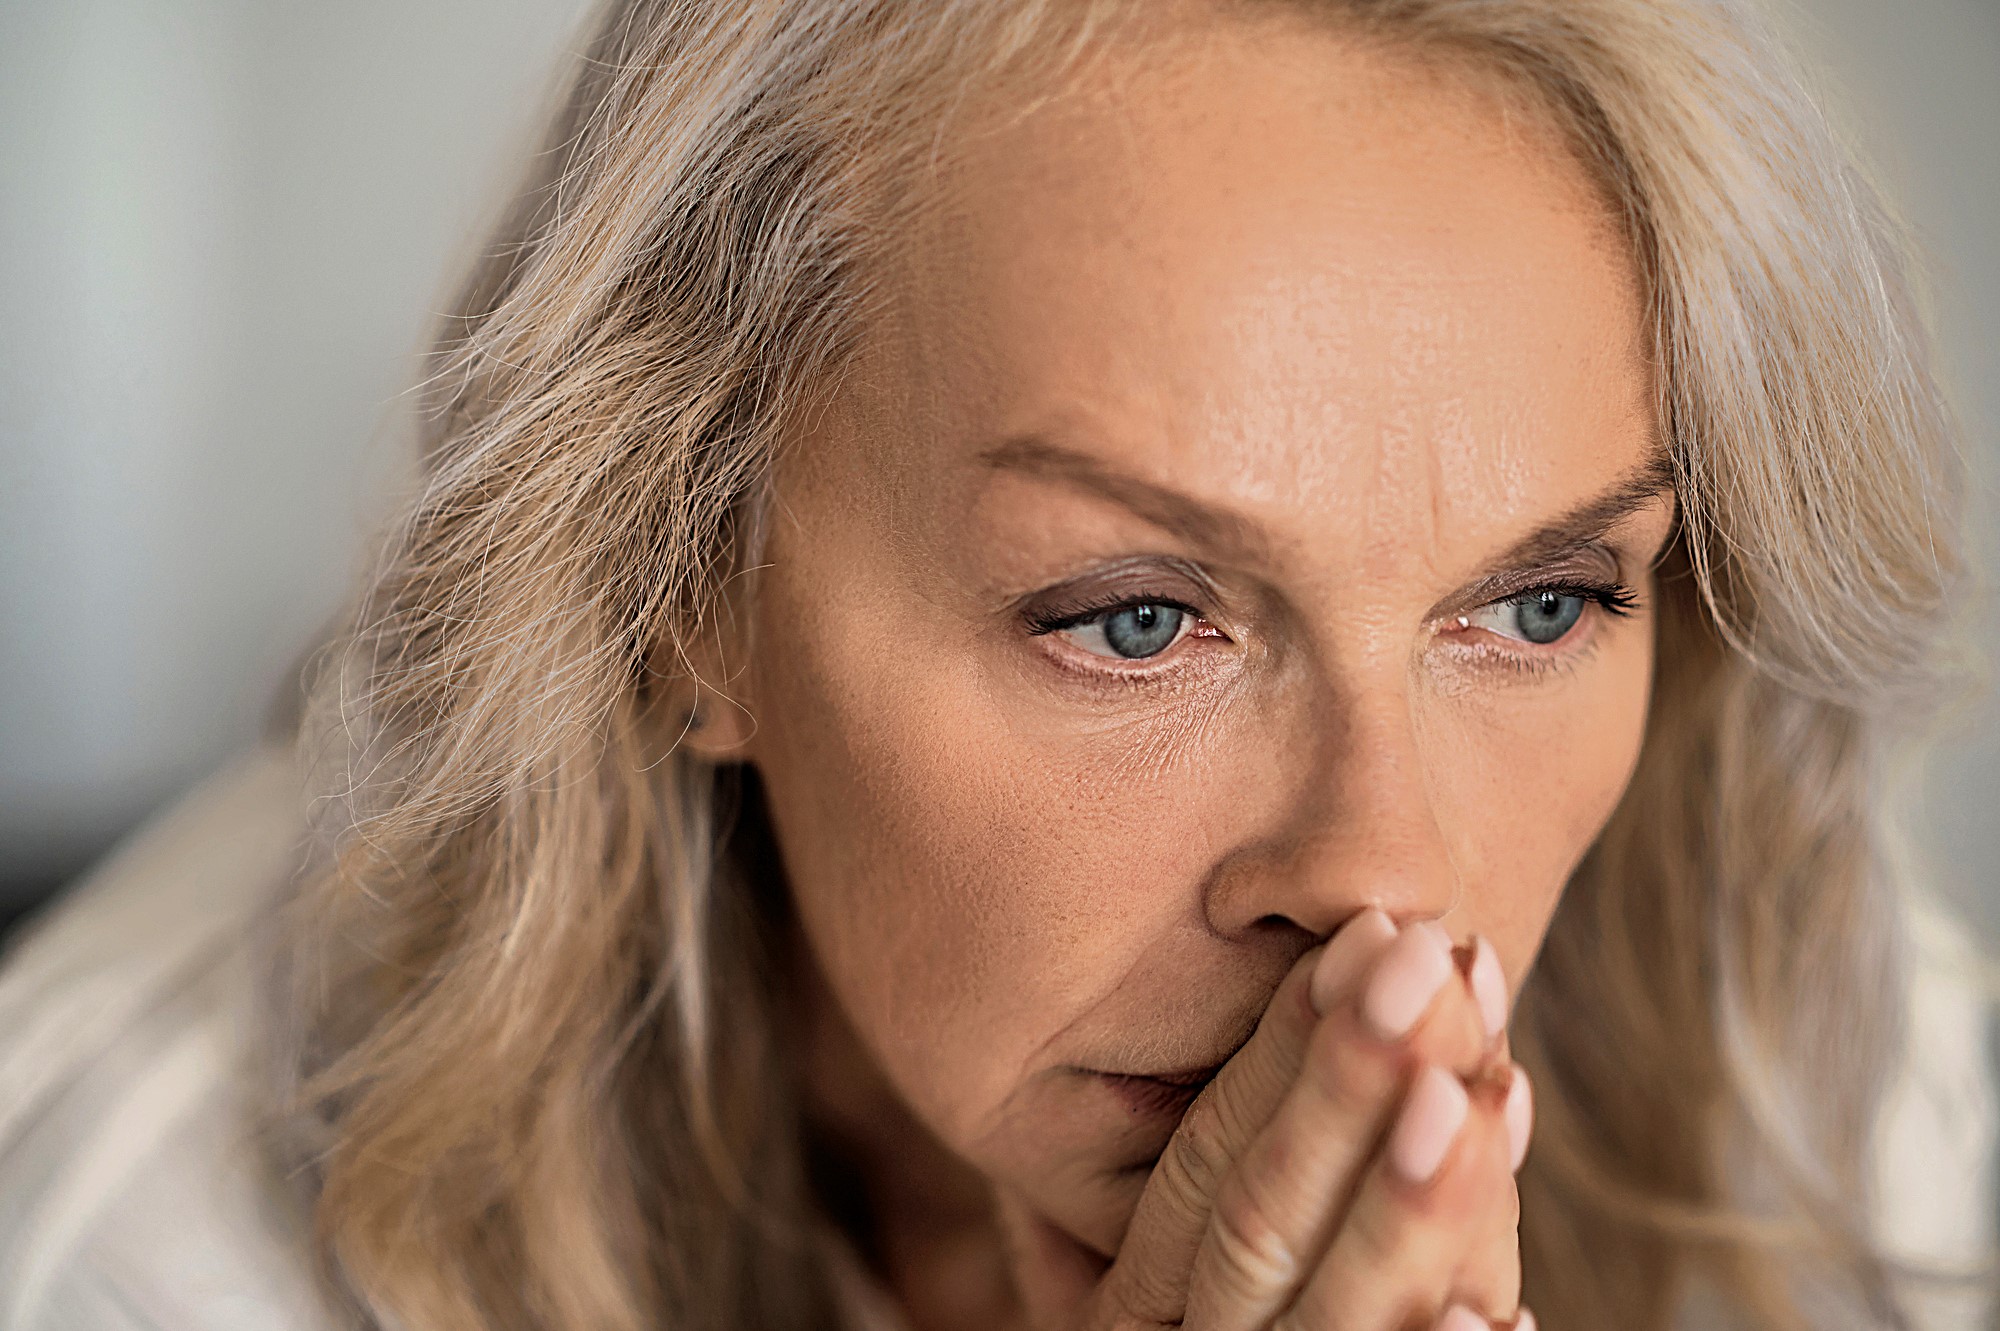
(1138,631)
(1546,614)
(1123,630)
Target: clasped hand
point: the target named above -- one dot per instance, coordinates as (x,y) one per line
(1350,1168)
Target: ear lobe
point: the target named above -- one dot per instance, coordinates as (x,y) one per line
(704,709)
(715,727)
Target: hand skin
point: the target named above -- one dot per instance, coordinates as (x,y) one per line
(1275,1205)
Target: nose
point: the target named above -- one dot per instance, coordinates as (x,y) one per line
(1360,828)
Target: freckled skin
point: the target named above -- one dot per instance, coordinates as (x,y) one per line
(1373,308)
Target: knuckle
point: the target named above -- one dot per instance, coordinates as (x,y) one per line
(1377,1234)
(1250,1251)
(1499,1192)
(1493,1277)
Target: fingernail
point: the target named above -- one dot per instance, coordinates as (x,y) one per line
(1524,1321)
(1489,986)
(1405,981)
(1458,1317)
(1357,940)
(1519,1111)
(1431,1119)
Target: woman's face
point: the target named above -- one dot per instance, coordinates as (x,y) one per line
(1139,609)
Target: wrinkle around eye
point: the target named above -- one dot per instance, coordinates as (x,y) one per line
(1522,658)
(1069,674)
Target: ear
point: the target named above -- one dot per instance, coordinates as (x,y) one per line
(706,705)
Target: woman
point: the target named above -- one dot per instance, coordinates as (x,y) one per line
(1026,620)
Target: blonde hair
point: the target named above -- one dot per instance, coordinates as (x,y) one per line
(528,1025)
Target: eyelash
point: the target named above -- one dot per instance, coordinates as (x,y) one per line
(1050,621)
(1617,599)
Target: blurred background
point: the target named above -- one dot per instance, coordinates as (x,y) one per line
(225,226)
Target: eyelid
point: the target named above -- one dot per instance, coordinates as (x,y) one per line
(1610,600)
(1170,663)
(1057,619)
(1139,579)
(1594,571)
(1611,597)
(1160,662)
(1590,565)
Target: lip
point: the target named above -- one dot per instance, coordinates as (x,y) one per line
(1159,1094)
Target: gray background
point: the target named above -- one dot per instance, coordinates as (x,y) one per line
(224,225)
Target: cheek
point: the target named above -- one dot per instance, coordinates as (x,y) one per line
(972,880)
(1533,779)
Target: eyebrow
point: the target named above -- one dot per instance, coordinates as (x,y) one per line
(1231,534)
(1183,515)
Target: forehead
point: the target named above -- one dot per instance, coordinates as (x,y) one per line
(1305,277)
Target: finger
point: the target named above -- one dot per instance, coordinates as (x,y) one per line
(1458,1317)
(1488,981)
(1520,1115)
(1396,1255)
(1149,1278)
(1491,1280)
(1278,1207)
(1398,1001)
(1480,963)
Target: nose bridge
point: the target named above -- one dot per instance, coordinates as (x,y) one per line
(1363,828)
(1399,844)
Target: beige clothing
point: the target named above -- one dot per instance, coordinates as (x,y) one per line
(129,1200)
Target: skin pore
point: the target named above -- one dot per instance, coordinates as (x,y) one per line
(1243,517)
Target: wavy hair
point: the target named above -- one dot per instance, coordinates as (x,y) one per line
(508,1087)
